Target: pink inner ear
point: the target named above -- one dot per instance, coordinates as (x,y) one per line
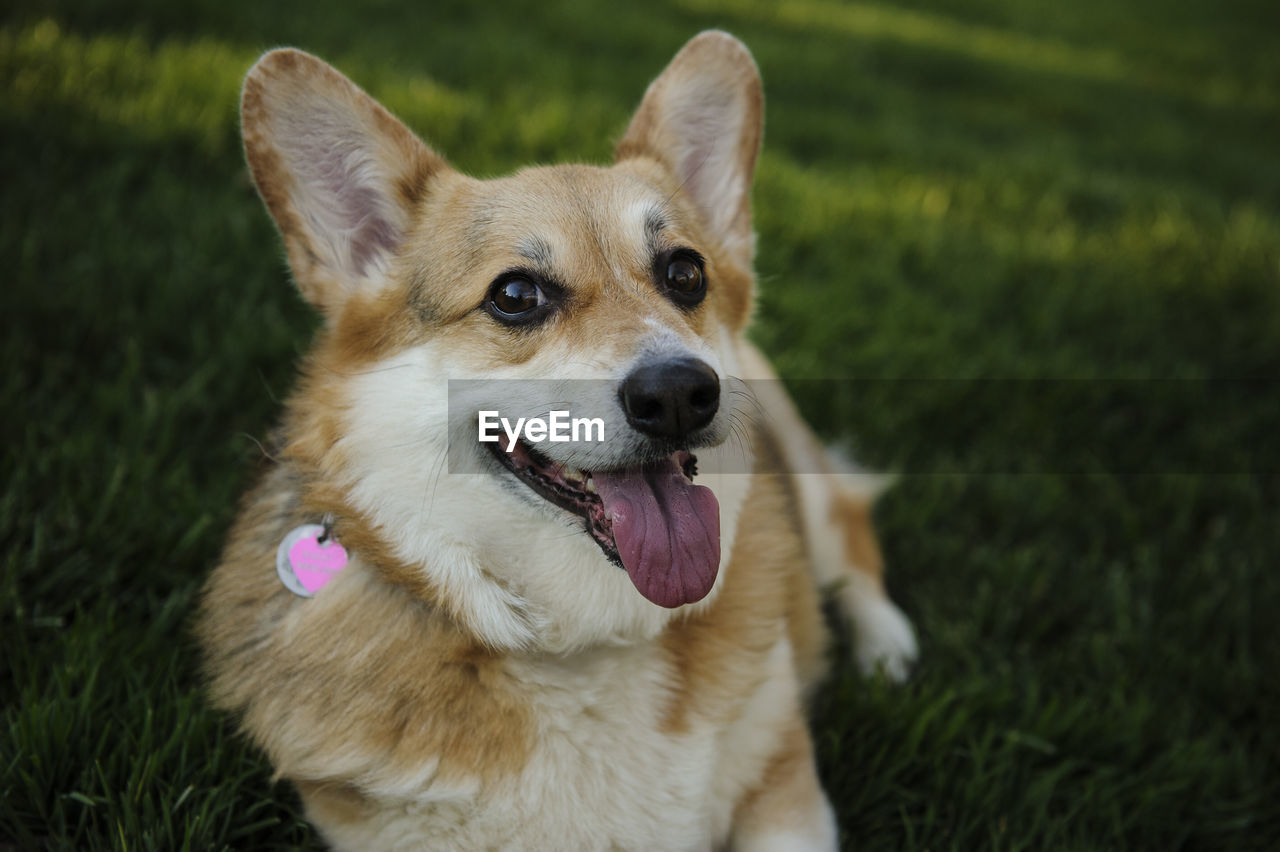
(370,233)
(710,128)
(344,204)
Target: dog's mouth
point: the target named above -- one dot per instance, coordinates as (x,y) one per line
(649,518)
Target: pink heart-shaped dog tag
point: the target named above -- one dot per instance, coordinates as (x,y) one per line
(305,563)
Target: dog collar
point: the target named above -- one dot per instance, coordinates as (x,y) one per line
(309,557)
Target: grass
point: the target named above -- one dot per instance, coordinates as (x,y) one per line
(1038,246)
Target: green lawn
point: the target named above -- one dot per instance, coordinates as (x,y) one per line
(1038,244)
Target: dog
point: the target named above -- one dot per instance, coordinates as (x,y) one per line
(447,637)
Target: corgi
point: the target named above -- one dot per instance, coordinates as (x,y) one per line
(448,639)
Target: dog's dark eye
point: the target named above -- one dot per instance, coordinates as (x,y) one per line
(684,275)
(684,278)
(515,299)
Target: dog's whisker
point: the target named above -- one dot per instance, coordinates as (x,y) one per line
(753,418)
(429,496)
(744,434)
(413,442)
(351,374)
(261,447)
(739,437)
(751,397)
(271,394)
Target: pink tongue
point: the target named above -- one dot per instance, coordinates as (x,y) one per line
(667,531)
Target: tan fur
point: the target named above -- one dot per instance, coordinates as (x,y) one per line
(442,691)
(852,513)
(413,688)
(717,652)
(788,789)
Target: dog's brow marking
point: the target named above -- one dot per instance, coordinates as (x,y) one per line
(654,224)
(420,298)
(476,240)
(535,250)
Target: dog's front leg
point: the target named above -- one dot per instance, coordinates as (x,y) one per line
(788,809)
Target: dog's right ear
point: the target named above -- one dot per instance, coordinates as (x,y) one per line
(702,118)
(340,175)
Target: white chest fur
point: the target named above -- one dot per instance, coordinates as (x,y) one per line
(603,772)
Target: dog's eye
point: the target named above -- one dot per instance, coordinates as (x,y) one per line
(685,278)
(515,298)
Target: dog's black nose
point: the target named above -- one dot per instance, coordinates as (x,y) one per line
(671,399)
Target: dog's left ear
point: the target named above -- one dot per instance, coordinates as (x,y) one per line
(702,118)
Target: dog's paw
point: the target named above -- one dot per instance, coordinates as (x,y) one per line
(884,640)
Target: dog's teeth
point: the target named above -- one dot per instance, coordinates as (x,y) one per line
(571,472)
(590,486)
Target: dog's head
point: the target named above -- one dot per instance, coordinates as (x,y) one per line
(615,293)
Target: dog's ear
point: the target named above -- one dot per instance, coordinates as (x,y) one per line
(340,175)
(702,118)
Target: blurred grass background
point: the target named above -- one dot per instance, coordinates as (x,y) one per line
(988,190)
